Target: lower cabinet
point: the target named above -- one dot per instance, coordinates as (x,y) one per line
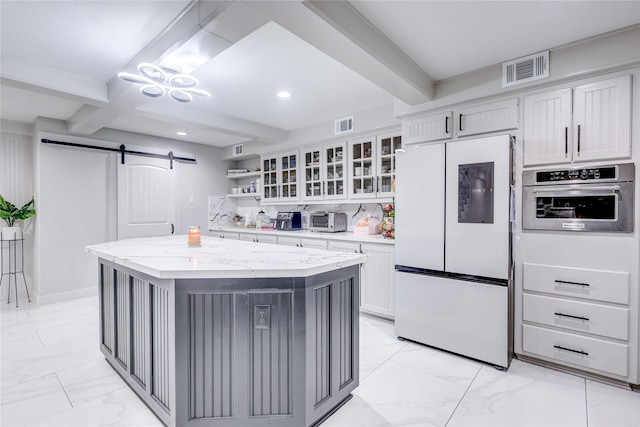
(267,239)
(302,242)
(342,246)
(377,293)
(578,317)
(248,237)
(225,234)
(377,285)
(313,243)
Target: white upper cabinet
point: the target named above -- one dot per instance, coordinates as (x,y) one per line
(436,127)
(472,120)
(485,118)
(280,177)
(602,120)
(547,127)
(600,128)
(372,166)
(323,172)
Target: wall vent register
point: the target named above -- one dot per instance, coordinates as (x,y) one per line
(526,69)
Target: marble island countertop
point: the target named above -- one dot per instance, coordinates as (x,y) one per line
(343,235)
(169,257)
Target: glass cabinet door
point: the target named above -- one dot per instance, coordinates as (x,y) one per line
(289,176)
(362,168)
(387,146)
(270,178)
(334,171)
(312,174)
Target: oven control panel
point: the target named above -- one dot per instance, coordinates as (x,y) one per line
(585,174)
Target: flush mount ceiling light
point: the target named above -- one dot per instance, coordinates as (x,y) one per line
(157,82)
(181,133)
(283,94)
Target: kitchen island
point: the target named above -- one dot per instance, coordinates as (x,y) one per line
(230,333)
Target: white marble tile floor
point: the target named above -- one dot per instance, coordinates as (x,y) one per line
(52,374)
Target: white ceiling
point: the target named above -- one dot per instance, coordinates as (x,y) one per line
(60,59)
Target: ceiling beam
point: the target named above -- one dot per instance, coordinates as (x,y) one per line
(340,31)
(208,26)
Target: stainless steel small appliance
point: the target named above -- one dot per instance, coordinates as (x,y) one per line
(330,222)
(288,221)
(581,198)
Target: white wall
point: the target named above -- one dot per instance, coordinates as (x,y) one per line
(369,122)
(76,195)
(16,185)
(581,59)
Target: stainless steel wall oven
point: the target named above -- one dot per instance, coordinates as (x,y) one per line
(593,198)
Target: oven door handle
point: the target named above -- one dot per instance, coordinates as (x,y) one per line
(612,188)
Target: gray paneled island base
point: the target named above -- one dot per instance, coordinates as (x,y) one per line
(230,333)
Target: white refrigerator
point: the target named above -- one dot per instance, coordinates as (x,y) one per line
(453,247)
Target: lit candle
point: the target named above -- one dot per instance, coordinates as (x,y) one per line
(193,237)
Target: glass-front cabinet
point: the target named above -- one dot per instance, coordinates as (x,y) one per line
(362,168)
(324,172)
(280,177)
(387,146)
(372,166)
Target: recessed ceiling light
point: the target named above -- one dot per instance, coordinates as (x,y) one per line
(181,133)
(283,94)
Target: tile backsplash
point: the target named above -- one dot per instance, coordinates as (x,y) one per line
(222,208)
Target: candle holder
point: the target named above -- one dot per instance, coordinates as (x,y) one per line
(193,237)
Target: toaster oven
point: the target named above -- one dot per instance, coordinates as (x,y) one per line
(330,222)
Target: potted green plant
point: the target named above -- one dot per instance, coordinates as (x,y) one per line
(11,213)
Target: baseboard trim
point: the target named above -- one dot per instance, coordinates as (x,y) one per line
(66,296)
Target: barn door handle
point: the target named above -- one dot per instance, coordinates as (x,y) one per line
(172,229)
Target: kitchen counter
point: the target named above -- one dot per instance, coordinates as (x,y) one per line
(344,235)
(169,257)
(231,333)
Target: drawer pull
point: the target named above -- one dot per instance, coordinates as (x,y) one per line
(571,316)
(564,282)
(584,353)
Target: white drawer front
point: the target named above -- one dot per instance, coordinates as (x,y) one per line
(267,239)
(610,322)
(609,286)
(313,243)
(564,347)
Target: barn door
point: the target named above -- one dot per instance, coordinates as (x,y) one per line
(146,197)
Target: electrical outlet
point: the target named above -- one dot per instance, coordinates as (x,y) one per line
(261,316)
(192,199)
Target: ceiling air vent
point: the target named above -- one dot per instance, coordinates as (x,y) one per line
(344,125)
(527,69)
